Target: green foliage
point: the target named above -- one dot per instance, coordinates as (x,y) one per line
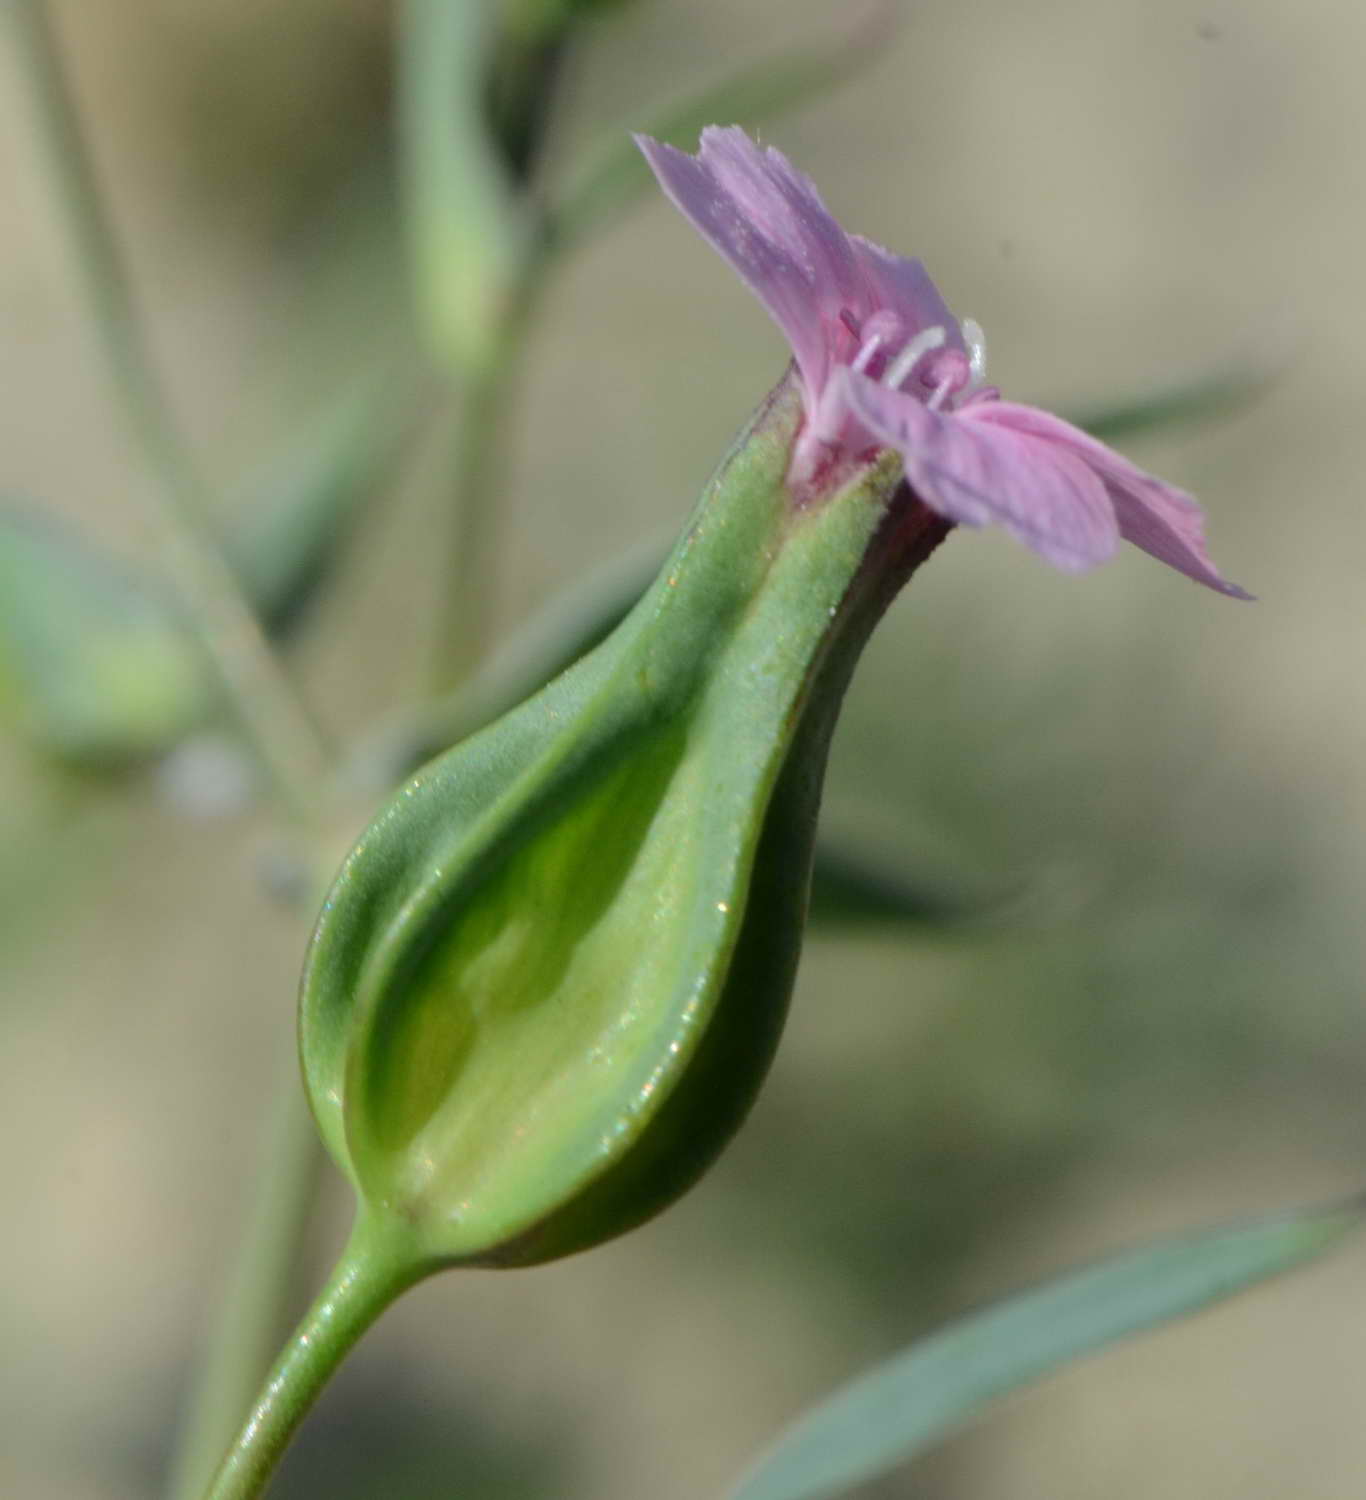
(533,18)
(907,1405)
(552,973)
(853,886)
(565,628)
(466,229)
(95,666)
(1225,393)
(850,884)
(292,518)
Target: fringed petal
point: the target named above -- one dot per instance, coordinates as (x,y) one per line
(1162,520)
(980,475)
(768,221)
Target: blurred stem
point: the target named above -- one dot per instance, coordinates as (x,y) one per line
(255,1303)
(367,1278)
(479,467)
(269,712)
(264,702)
(475,105)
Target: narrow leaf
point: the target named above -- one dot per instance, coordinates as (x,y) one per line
(296,515)
(1224,393)
(904,1407)
(615,175)
(855,886)
(565,629)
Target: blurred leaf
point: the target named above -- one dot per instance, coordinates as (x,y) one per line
(1223,394)
(94,665)
(907,1405)
(613,177)
(97,665)
(299,511)
(541,18)
(570,625)
(465,232)
(855,886)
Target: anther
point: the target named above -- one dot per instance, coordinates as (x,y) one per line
(976,341)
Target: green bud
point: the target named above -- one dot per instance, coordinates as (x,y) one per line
(551,975)
(467,231)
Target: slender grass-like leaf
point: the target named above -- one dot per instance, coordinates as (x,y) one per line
(904,1407)
(853,886)
(1224,393)
(291,519)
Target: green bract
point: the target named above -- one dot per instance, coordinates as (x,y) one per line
(552,973)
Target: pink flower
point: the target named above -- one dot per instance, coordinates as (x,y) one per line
(884,364)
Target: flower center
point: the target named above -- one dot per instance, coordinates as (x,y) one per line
(899,371)
(945,373)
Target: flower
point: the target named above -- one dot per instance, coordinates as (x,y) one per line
(885,364)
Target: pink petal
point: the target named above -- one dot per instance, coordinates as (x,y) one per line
(768,220)
(981,475)
(1161,519)
(904,287)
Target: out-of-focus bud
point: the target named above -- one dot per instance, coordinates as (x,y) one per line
(96,667)
(99,668)
(467,232)
(552,973)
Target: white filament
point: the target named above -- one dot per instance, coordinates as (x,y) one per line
(911,355)
(940,391)
(867,349)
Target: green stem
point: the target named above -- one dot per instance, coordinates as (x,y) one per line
(254,1307)
(477,471)
(476,88)
(271,716)
(367,1278)
(477,480)
(270,713)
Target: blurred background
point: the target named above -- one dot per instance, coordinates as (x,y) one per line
(1130,1003)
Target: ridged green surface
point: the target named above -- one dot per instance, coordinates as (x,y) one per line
(552,973)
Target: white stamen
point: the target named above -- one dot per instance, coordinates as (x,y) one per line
(976,341)
(911,355)
(940,391)
(867,350)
